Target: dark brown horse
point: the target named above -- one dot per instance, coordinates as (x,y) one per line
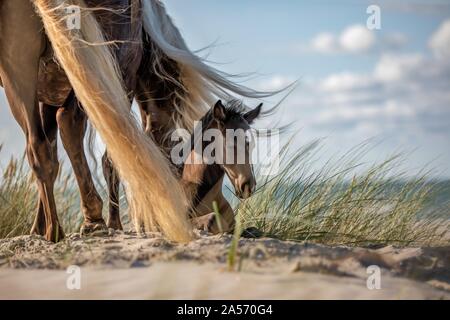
(42,79)
(126,30)
(43,96)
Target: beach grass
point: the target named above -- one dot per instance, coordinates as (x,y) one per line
(338,204)
(347,202)
(19,199)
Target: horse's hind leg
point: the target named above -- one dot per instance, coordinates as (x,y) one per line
(113,182)
(72,125)
(21,44)
(40,150)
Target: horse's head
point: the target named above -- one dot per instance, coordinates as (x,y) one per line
(234,123)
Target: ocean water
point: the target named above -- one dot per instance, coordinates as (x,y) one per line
(438,202)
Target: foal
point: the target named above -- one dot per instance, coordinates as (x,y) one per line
(203,180)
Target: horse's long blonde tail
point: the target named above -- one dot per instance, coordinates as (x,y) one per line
(154,194)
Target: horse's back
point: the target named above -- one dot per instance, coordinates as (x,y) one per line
(122,23)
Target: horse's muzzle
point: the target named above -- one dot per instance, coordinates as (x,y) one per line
(245,190)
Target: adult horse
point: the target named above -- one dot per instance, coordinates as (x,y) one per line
(89,67)
(93,73)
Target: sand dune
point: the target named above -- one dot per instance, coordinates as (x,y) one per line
(127,266)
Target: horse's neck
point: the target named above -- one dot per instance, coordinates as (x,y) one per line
(212,177)
(200,179)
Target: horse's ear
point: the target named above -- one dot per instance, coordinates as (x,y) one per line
(219,111)
(253,114)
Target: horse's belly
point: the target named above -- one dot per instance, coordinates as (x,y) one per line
(53,84)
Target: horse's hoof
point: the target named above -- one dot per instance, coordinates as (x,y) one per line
(54,234)
(204,222)
(97,228)
(115,224)
(39,226)
(37,230)
(209,223)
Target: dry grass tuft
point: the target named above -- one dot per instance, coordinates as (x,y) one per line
(341,205)
(19,199)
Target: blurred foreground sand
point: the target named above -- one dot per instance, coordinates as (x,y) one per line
(127,266)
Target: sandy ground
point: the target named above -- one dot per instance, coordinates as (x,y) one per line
(128,266)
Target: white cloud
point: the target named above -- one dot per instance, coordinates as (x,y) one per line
(344,81)
(405,98)
(356,38)
(398,97)
(440,41)
(324,43)
(396,67)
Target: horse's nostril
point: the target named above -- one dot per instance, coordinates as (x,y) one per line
(246,190)
(244,187)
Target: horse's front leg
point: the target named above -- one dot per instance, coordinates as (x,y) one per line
(215,223)
(49,127)
(43,158)
(72,124)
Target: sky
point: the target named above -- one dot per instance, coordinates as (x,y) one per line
(390,85)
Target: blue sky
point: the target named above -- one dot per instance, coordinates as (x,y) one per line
(261,35)
(348,94)
(389,84)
